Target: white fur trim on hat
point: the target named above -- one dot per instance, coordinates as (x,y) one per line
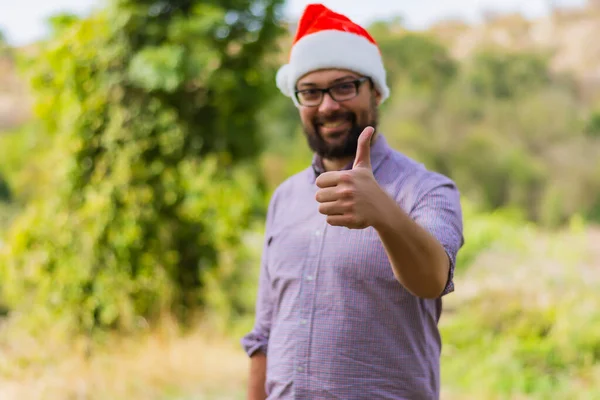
(333,49)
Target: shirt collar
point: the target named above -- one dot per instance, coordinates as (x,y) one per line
(379,150)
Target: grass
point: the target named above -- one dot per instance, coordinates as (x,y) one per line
(527,324)
(162,365)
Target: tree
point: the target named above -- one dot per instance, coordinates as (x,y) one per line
(4,47)
(593,125)
(509,132)
(60,22)
(505,75)
(416,58)
(151,108)
(5,195)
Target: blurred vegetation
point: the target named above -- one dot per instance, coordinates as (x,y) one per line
(504,127)
(139,189)
(6,211)
(4,191)
(527,316)
(149,180)
(4,47)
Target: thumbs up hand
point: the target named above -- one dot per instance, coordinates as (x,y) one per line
(363,150)
(351,198)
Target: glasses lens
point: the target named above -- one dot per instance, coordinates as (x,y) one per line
(308,97)
(344,91)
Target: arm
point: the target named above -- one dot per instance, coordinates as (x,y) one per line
(255,343)
(422,246)
(258,372)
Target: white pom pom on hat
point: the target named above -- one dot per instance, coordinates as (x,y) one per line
(325,39)
(282,80)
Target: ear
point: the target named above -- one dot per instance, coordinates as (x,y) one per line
(377,97)
(376,93)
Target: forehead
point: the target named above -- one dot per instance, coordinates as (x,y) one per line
(325,77)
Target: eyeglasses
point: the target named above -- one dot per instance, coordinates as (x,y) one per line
(339,92)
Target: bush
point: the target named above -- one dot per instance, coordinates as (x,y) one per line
(511,135)
(503,230)
(525,323)
(151,114)
(5,195)
(522,345)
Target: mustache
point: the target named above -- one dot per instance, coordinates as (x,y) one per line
(323,119)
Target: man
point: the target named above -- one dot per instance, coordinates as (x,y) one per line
(359,248)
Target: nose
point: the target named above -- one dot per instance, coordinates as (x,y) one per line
(328,104)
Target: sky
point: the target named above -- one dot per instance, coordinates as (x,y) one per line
(23,21)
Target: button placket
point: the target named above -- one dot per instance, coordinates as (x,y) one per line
(306,302)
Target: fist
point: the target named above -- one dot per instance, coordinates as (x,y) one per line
(351,198)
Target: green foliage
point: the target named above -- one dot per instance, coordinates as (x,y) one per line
(504,75)
(286,157)
(593,214)
(280,124)
(61,22)
(593,125)
(536,340)
(5,49)
(508,132)
(158,68)
(9,154)
(20,151)
(417,59)
(5,195)
(7,214)
(503,230)
(151,110)
(526,315)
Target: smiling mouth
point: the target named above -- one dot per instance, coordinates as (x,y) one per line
(333,125)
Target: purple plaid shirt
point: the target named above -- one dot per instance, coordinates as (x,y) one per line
(330,315)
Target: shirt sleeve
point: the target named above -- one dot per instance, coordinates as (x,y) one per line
(438,210)
(257,339)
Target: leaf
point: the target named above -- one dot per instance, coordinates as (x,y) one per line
(158,68)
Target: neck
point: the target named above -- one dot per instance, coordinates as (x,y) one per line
(336,164)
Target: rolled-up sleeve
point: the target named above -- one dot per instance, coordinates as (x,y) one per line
(439,211)
(258,338)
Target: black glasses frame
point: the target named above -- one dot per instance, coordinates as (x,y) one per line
(356,82)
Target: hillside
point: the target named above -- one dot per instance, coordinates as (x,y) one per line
(568,36)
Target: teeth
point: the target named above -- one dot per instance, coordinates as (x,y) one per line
(333,124)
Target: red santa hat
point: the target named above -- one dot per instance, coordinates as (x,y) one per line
(326,39)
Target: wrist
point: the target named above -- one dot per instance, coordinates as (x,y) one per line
(385,214)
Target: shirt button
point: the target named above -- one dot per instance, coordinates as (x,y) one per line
(303,321)
(309,277)
(300,369)
(317,233)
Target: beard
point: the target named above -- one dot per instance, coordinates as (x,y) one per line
(347,148)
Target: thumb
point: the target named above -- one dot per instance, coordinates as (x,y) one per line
(363,150)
